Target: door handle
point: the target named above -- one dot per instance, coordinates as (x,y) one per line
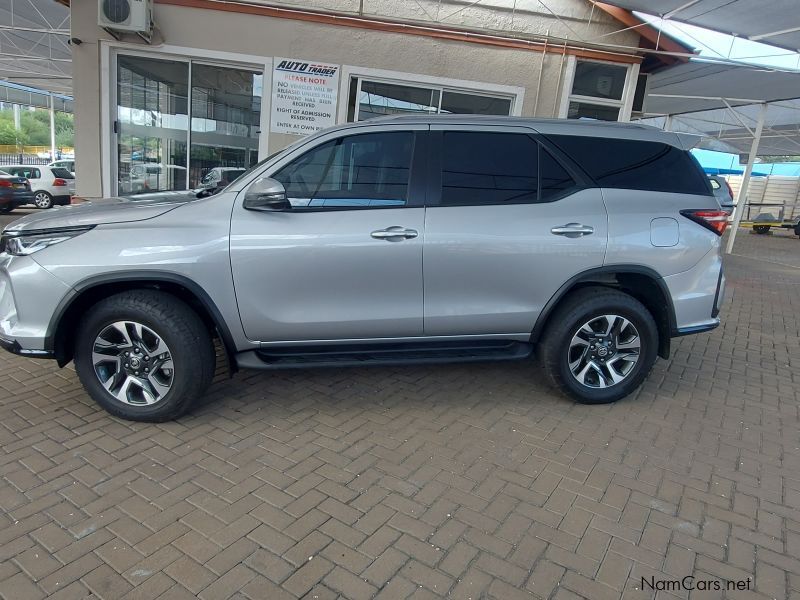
(395,233)
(572,230)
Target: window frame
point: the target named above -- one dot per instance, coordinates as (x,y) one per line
(625,104)
(515,93)
(434,170)
(417,170)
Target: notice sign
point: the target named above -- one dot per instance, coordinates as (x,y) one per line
(303,96)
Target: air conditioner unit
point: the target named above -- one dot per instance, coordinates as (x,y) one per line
(133,16)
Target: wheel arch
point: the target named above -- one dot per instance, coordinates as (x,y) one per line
(643,283)
(62,327)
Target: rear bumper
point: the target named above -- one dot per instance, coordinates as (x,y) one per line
(697,295)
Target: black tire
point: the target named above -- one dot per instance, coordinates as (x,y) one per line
(761,229)
(181,329)
(43,199)
(579,308)
(4,210)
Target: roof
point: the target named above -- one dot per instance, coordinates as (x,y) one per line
(590,128)
(769,21)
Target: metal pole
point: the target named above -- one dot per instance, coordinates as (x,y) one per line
(668,123)
(52,130)
(741,197)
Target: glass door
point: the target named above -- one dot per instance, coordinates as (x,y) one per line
(226,116)
(152,121)
(155,127)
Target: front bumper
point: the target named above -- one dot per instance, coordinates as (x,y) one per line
(29,296)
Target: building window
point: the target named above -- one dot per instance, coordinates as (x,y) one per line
(177,120)
(597,91)
(369,98)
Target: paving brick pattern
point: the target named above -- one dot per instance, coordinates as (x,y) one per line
(470,481)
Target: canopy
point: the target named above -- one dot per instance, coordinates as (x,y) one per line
(723,102)
(769,21)
(34,48)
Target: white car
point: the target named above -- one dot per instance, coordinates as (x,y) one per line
(69,165)
(50,185)
(150,177)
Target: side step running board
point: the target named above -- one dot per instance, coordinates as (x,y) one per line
(297,357)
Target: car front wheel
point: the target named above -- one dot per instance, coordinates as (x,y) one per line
(599,345)
(144,355)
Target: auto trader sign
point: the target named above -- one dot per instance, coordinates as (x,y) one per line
(303,96)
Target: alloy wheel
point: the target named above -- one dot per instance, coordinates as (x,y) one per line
(604,351)
(42,200)
(133,363)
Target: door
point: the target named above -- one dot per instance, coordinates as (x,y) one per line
(506,226)
(346,261)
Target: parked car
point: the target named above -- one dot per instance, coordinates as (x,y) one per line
(397,240)
(147,177)
(219,175)
(14,191)
(722,192)
(69,165)
(50,185)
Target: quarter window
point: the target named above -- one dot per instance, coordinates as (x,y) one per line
(359,171)
(635,165)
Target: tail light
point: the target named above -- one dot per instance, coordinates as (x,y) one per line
(59,182)
(715,220)
(6,183)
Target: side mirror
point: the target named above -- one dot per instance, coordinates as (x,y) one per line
(266,194)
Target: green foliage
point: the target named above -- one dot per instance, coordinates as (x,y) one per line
(35,128)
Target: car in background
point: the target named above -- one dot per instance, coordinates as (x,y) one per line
(219,175)
(149,177)
(69,165)
(14,191)
(722,192)
(50,185)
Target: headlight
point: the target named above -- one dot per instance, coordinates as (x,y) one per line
(27,242)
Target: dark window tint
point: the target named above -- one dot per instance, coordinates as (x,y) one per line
(633,164)
(489,168)
(351,172)
(61,172)
(553,178)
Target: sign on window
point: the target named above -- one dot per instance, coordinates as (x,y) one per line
(304,95)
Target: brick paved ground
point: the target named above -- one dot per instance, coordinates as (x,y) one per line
(472,481)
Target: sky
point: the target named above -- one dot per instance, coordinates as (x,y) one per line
(714,45)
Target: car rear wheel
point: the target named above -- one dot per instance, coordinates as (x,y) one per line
(144,355)
(599,345)
(43,200)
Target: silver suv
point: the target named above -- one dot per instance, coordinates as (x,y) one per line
(399,240)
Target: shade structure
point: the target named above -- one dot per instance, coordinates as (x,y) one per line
(34,49)
(769,21)
(722,104)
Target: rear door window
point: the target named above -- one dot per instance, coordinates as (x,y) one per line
(61,172)
(635,164)
(496,168)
